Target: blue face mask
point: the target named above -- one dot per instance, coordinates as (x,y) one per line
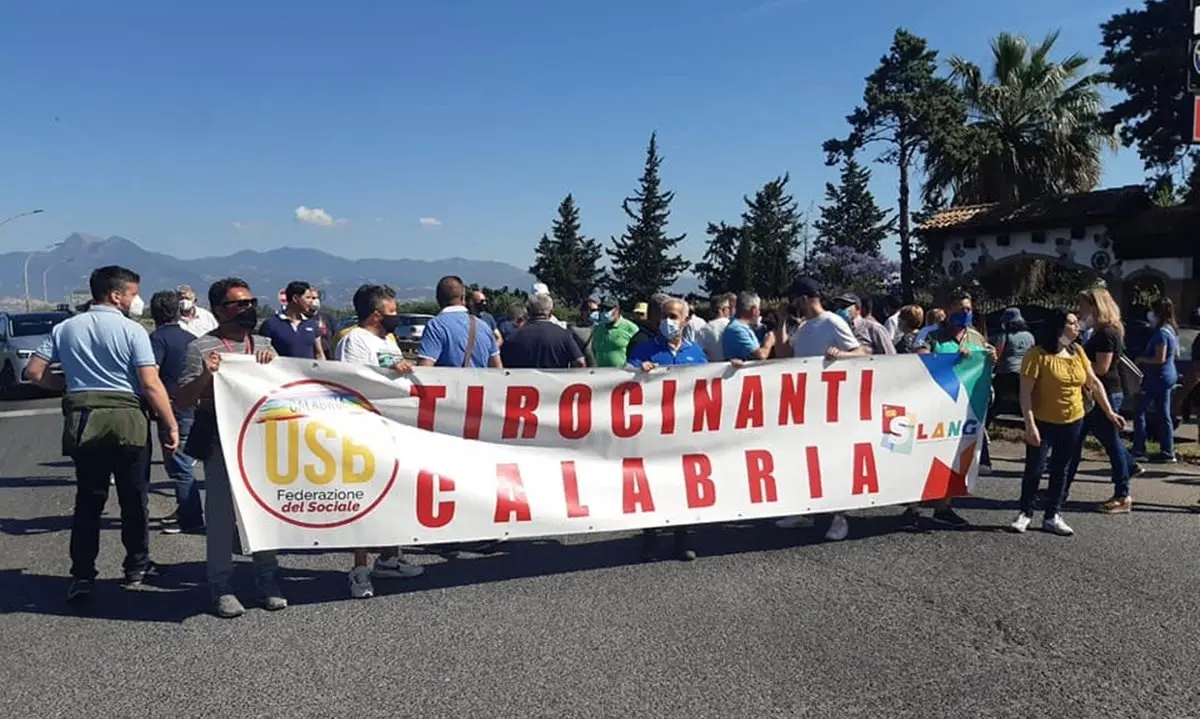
(670,329)
(844,313)
(594,316)
(962,319)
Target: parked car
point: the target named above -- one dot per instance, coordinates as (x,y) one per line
(20,335)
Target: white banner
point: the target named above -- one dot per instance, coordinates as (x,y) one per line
(324,454)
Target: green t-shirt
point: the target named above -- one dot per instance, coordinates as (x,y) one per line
(609,342)
(943,342)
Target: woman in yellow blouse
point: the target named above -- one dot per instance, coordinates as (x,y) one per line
(1054,376)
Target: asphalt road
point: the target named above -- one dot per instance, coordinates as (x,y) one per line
(766,623)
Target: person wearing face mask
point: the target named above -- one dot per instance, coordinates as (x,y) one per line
(585,327)
(109,376)
(871,335)
(236,311)
(293,332)
(667,349)
(193,317)
(611,336)
(1054,377)
(372,343)
(958,336)
(1160,374)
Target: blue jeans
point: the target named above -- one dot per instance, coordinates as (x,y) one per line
(1158,397)
(1119,459)
(1060,442)
(182,471)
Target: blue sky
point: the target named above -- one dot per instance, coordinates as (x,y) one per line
(200,128)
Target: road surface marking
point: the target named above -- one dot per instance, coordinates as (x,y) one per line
(29,413)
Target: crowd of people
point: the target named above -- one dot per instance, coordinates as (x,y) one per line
(118,379)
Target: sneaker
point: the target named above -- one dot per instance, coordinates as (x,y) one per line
(1021,523)
(948,516)
(1117,506)
(1164,459)
(137,578)
(1136,470)
(395,568)
(360,583)
(1056,525)
(270,595)
(797,522)
(911,519)
(227,606)
(839,528)
(79,591)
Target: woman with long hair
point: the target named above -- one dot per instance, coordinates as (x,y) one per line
(1101,317)
(1054,375)
(1160,374)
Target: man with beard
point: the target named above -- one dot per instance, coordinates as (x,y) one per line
(109,376)
(293,332)
(236,310)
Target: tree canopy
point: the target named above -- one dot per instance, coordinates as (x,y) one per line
(850,217)
(565,260)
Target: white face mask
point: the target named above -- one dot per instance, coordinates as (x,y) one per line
(137,307)
(1151,317)
(670,329)
(316,305)
(186,305)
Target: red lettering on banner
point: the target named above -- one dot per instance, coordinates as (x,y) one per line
(571,490)
(510,495)
(750,407)
(520,408)
(635,493)
(624,423)
(430,512)
(429,395)
(697,481)
(833,382)
(866,479)
(668,405)
(812,460)
(474,415)
(760,472)
(575,411)
(866,401)
(706,405)
(792,395)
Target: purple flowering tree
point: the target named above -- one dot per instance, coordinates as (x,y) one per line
(842,269)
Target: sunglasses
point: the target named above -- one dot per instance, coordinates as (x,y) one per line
(241,304)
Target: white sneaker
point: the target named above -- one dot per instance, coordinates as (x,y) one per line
(795,522)
(1021,523)
(395,568)
(360,583)
(1057,526)
(839,528)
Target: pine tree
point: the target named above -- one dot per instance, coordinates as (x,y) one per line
(566,261)
(772,226)
(850,217)
(725,263)
(642,259)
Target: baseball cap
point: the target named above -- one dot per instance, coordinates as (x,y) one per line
(849,299)
(804,287)
(641,308)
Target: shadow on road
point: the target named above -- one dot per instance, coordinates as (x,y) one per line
(27,482)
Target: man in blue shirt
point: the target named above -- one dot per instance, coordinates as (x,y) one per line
(170,343)
(668,348)
(294,332)
(455,337)
(109,374)
(739,341)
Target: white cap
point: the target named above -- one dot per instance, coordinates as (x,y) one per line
(540,288)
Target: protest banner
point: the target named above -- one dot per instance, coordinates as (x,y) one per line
(324,454)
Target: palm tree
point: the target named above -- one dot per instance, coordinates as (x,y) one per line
(1033,128)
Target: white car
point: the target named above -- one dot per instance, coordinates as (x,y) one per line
(21,333)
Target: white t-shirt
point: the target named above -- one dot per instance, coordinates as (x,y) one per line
(709,339)
(201,324)
(361,346)
(893,326)
(817,335)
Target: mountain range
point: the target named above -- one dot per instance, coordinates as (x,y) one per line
(65,269)
(57,273)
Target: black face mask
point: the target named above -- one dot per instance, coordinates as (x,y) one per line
(389,323)
(247,319)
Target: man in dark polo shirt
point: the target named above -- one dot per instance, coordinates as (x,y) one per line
(294,332)
(541,343)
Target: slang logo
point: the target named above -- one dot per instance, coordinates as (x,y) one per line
(901,430)
(307,454)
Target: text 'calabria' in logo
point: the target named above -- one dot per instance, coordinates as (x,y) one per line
(901,430)
(307,453)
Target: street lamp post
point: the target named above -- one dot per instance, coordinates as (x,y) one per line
(25,272)
(45,274)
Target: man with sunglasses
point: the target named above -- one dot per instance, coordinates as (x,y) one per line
(236,310)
